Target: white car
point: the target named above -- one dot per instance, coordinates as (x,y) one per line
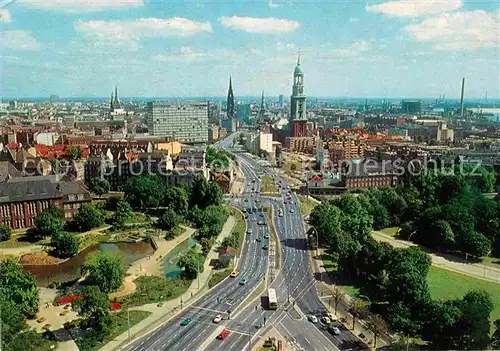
(313,319)
(334,330)
(249,231)
(292,210)
(218,318)
(331,316)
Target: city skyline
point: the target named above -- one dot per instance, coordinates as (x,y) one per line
(395,49)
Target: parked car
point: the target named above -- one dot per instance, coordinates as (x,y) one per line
(312,319)
(217,319)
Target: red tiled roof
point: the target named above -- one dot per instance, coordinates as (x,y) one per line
(316,178)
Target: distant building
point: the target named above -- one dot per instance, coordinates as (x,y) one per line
(281,101)
(24,198)
(265,142)
(229,124)
(230,101)
(411,107)
(186,122)
(116,112)
(213,133)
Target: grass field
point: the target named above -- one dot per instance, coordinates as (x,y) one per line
(20,241)
(153,289)
(306,205)
(239,228)
(444,285)
(392,231)
(268,185)
(218,276)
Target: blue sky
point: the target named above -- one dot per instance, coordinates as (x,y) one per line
(406,48)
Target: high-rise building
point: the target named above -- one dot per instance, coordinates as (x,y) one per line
(281,100)
(298,117)
(411,106)
(262,110)
(186,122)
(230,101)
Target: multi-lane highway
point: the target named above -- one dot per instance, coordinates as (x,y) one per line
(223,298)
(293,281)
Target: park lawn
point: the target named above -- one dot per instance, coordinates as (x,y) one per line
(268,185)
(20,241)
(392,231)
(218,276)
(331,269)
(119,326)
(91,239)
(153,289)
(444,284)
(306,205)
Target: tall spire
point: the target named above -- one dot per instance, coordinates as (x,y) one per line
(262,108)
(298,59)
(111,101)
(230,100)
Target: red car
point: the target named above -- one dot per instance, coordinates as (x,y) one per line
(285,202)
(223,334)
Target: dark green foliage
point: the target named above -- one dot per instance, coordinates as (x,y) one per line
(105,270)
(144,192)
(123,212)
(87,218)
(48,222)
(65,244)
(204,194)
(169,219)
(99,186)
(192,263)
(18,287)
(177,199)
(94,307)
(5,232)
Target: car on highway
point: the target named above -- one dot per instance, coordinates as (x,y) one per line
(262,215)
(266,236)
(252,195)
(292,210)
(260,222)
(285,202)
(331,316)
(243,281)
(265,247)
(223,334)
(249,231)
(217,319)
(246,216)
(312,318)
(334,330)
(259,239)
(234,274)
(186,321)
(325,320)
(244,210)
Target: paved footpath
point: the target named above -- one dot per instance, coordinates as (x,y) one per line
(161,314)
(447,261)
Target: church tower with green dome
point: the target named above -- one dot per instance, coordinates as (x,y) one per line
(298,116)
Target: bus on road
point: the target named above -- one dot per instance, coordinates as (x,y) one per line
(271,299)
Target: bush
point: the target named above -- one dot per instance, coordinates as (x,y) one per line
(88,217)
(5,232)
(65,244)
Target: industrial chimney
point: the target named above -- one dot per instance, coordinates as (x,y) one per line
(462,99)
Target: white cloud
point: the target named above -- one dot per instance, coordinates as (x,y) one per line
(79,6)
(273,5)
(285,46)
(19,40)
(461,30)
(5,16)
(353,19)
(128,33)
(415,8)
(359,46)
(268,25)
(257,52)
(185,53)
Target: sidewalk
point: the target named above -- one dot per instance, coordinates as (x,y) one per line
(324,287)
(447,261)
(161,314)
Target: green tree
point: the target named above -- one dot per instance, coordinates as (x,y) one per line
(88,217)
(213,195)
(408,277)
(94,307)
(206,244)
(12,320)
(5,232)
(495,339)
(75,153)
(402,318)
(65,244)
(177,199)
(122,213)
(48,222)
(440,322)
(326,219)
(144,192)
(204,194)
(169,219)
(18,287)
(475,244)
(105,269)
(99,186)
(473,329)
(192,263)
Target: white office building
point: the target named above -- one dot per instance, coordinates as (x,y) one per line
(186,122)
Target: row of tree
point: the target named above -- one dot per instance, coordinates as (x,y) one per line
(396,279)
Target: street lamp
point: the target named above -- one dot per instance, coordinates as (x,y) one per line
(317,240)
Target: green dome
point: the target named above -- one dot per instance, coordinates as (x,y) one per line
(298,70)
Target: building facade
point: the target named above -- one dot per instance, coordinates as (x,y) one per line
(186,122)
(298,113)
